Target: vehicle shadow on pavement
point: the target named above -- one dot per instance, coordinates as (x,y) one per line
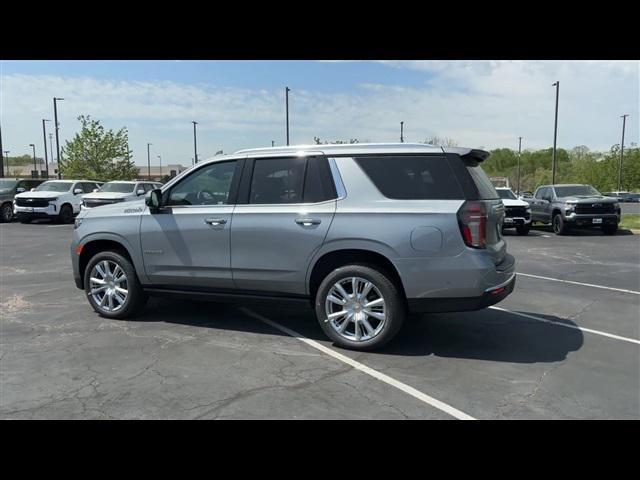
(488,334)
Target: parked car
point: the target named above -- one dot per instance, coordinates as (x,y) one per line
(9,188)
(117,191)
(622,196)
(364,232)
(55,199)
(565,206)
(517,212)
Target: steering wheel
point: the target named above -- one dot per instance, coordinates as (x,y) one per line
(205,197)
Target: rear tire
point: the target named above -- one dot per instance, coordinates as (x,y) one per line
(366,328)
(560,227)
(609,229)
(523,229)
(134,299)
(66,214)
(6,213)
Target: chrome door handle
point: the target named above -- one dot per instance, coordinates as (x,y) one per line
(215,221)
(308,221)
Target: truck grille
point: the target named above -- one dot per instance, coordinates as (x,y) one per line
(596,208)
(516,212)
(98,202)
(32,202)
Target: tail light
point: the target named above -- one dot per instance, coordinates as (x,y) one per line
(472,218)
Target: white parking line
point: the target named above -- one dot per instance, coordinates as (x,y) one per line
(363,368)
(575,327)
(54,226)
(579,283)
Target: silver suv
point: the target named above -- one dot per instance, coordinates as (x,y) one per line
(365,233)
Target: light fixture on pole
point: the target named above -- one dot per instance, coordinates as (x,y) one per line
(555,135)
(55,117)
(624,121)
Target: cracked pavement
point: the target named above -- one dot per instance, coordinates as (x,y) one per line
(190,360)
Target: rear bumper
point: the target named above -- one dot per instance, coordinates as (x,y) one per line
(490,297)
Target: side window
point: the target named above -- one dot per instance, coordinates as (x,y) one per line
(317,182)
(88,187)
(277,180)
(209,185)
(549,194)
(540,193)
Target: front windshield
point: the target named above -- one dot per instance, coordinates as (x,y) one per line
(6,184)
(118,187)
(576,191)
(508,194)
(54,187)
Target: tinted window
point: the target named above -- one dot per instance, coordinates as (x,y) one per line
(412,177)
(486,190)
(54,187)
(540,192)
(318,185)
(577,190)
(277,180)
(88,187)
(506,194)
(209,185)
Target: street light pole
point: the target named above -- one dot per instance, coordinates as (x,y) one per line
(624,121)
(55,116)
(272,143)
(44,140)
(6,154)
(519,153)
(149,161)
(160,158)
(401,132)
(286,92)
(195,144)
(35,166)
(555,134)
(1,156)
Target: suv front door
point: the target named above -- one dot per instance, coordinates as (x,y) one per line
(285,207)
(186,244)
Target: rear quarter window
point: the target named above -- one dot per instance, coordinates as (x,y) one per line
(412,177)
(486,190)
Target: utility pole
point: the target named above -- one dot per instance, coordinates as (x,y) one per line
(35,165)
(519,153)
(401,132)
(1,156)
(44,138)
(624,121)
(555,134)
(149,161)
(286,92)
(195,145)
(272,143)
(6,154)
(55,116)
(160,159)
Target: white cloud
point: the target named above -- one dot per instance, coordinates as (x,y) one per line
(477,103)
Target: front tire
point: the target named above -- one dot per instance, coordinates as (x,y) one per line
(610,229)
(359,307)
(66,214)
(523,229)
(6,213)
(112,286)
(560,227)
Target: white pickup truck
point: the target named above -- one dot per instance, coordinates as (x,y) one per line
(57,200)
(517,213)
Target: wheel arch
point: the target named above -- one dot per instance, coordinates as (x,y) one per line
(96,245)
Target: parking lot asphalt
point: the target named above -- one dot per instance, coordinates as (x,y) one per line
(553,350)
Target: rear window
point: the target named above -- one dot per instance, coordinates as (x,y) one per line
(419,177)
(486,190)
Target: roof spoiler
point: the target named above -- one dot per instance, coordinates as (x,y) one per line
(477,155)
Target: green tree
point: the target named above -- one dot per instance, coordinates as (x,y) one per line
(98,154)
(441,141)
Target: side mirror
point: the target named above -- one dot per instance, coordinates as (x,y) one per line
(20,190)
(33,189)
(140,192)
(154,200)
(96,190)
(77,191)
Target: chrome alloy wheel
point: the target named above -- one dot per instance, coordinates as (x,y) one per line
(108,285)
(355,309)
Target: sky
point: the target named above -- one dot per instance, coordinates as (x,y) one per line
(241,104)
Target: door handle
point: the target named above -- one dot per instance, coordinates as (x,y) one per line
(308,221)
(215,221)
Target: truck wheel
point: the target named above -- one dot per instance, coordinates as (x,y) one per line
(6,213)
(610,229)
(560,227)
(523,229)
(359,307)
(112,286)
(66,214)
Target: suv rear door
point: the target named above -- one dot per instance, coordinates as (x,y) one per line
(285,207)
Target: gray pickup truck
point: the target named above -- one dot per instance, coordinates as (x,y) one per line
(565,206)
